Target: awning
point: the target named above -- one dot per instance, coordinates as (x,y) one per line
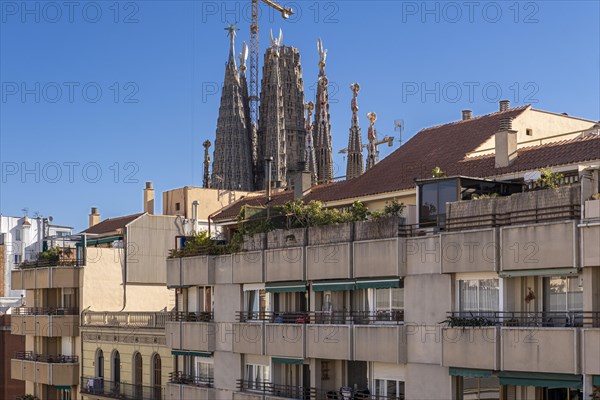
(471,373)
(333,285)
(286,287)
(551,381)
(596,380)
(380,283)
(293,361)
(252,286)
(62,387)
(539,272)
(190,353)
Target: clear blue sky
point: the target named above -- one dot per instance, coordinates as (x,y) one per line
(157,64)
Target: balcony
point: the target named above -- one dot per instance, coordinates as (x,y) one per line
(45,369)
(150,320)
(285,264)
(376,258)
(183,386)
(329,261)
(528,341)
(251,390)
(249,338)
(191,331)
(284,340)
(469,251)
(329,341)
(190,271)
(590,350)
(477,348)
(98,387)
(45,277)
(380,342)
(45,321)
(248,267)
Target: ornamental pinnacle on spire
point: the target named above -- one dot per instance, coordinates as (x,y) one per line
(323,147)
(354,166)
(231,29)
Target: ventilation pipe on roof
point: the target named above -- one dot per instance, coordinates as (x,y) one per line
(467,114)
(149,198)
(94,217)
(506,143)
(504,105)
(268,164)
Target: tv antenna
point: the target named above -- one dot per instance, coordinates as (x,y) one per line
(399,127)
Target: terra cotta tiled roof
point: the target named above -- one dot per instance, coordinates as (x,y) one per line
(445,146)
(111,225)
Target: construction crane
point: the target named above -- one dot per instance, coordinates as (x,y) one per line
(285,13)
(387,139)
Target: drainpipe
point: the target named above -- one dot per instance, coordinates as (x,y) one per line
(125,247)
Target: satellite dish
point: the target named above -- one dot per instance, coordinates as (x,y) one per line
(532,176)
(50,218)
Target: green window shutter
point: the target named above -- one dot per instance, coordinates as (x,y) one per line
(292,361)
(285,287)
(470,373)
(333,285)
(382,283)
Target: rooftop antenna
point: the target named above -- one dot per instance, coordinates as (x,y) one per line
(399,127)
(25,211)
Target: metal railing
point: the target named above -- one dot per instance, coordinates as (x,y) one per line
(186,316)
(538,319)
(528,216)
(120,390)
(323,317)
(310,393)
(185,379)
(59,359)
(127,319)
(44,311)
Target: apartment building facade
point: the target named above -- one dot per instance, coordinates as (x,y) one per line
(475,296)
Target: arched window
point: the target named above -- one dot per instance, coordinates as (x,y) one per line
(156,376)
(137,374)
(99,363)
(156,370)
(116,367)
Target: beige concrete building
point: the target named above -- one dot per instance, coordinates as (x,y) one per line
(116,265)
(481,291)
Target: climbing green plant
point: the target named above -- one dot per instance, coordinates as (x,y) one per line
(549,179)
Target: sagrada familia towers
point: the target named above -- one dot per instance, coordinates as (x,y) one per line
(286,133)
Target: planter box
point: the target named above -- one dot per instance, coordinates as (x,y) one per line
(258,241)
(281,238)
(328,234)
(378,229)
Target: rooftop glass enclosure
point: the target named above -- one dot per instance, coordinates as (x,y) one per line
(435,193)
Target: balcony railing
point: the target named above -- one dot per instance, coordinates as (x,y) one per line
(538,319)
(182,316)
(126,319)
(324,317)
(45,311)
(299,392)
(59,359)
(184,379)
(120,390)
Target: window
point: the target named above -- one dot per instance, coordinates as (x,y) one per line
(17,259)
(257,303)
(478,388)
(156,375)
(389,304)
(389,389)
(257,375)
(563,294)
(65,394)
(177,206)
(17,234)
(529,132)
(116,367)
(99,363)
(137,374)
(478,295)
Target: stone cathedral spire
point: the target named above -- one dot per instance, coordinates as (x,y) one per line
(309,146)
(281,125)
(354,166)
(232,167)
(323,123)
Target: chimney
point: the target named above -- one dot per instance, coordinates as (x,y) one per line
(302,181)
(504,105)
(94,217)
(467,114)
(149,198)
(506,143)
